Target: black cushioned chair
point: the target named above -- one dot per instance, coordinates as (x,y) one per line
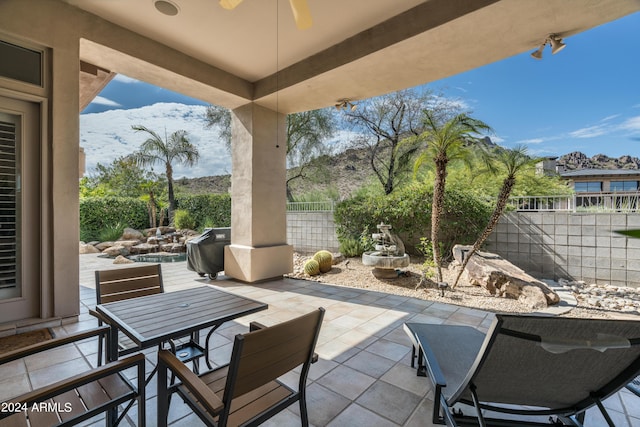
(526,366)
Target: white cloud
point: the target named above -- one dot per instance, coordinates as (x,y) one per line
(531,141)
(459,103)
(632,124)
(124,79)
(101,100)
(608,118)
(496,139)
(108,135)
(590,132)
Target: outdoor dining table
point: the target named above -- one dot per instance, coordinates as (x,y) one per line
(154,319)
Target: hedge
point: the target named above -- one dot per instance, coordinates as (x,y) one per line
(99,213)
(408,211)
(207,210)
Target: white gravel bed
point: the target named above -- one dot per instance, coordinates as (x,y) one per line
(593,300)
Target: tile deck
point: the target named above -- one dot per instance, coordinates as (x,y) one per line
(363,377)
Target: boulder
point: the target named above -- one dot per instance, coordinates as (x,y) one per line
(104,245)
(122,260)
(173,247)
(163,230)
(86,248)
(131,234)
(143,248)
(115,250)
(501,278)
(128,243)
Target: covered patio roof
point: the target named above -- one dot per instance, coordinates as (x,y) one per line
(354,50)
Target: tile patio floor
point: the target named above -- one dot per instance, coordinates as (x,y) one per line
(363,377)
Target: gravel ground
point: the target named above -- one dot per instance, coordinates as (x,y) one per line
(350,272)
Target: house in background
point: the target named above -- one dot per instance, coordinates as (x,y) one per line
(603,180)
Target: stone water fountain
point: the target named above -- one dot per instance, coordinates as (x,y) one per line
(389,255)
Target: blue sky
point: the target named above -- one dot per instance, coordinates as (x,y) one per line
(585,98)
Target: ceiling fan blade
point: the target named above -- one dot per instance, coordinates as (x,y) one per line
(229,4)
(301,14)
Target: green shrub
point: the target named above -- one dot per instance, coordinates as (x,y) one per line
(210,210)
(111,232)
(183,219)
(350,247)
(99,213)
(425,248)
(408,210)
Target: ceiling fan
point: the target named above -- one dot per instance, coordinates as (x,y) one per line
(300,10)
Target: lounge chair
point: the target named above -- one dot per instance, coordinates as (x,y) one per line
(247,391)
(527,366)
(73,400)
(634,386)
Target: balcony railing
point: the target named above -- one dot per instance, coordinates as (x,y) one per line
(579,202)
(325,206)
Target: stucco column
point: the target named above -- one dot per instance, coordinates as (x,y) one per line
(259,248)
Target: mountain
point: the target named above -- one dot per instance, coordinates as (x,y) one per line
(108,135)
(578,160)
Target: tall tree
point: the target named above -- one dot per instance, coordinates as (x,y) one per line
(446,141)
(386,124)
(306,134)
(511,163)
(173,148)
(122,178)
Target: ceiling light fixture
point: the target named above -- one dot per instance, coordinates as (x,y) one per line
(166,7)
(552,40)
(346,103)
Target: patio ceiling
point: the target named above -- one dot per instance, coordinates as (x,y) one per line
(355,49)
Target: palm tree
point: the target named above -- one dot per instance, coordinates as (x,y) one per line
(446,142)
(511,162)
(175,147)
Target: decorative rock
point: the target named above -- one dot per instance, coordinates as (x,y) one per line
(144,248)
(338,258)
(88,249)
(104,245)
(153,240)
(131,234)
(163,230)
(122,260)
(602,296)
(116,250)
(127,243)
(173,247)
(502,278)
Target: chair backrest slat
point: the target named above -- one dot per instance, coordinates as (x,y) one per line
(126,283)
(269,353)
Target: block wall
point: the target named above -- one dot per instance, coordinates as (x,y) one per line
(564,245)
(312,231)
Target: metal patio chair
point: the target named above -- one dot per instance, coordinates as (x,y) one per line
(76,399)
(132,282)
(247,391)
(526,366)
